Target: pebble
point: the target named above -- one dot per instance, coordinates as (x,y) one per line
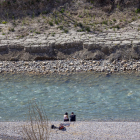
(82,130)
(67,66)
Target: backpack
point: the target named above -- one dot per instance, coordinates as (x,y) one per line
(61,127)
(53,127)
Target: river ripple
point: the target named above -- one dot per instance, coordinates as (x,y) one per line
(90,96)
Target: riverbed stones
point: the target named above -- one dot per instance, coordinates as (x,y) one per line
(67,66)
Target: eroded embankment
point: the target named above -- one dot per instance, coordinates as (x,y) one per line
(108,46)
(74,50)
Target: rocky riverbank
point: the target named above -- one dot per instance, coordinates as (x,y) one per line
(68,66)
(78,130)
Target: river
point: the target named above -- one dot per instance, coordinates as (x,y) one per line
(92,97)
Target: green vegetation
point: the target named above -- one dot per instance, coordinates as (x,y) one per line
(80,24)
(137,11)
(4,22)
(87,28)
(44,12)
(56,22)
(87,16)
(116,26)
(66,31)
(105,22)
(114,19)
(80,16)
(60,27)
(37,32)
(50,23)
(133,19)
(12,29)
(62,10)
(53,34)
(81,30)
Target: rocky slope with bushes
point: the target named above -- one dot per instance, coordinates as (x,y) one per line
(64,29)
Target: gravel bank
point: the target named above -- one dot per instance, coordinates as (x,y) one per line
(68,66)
(80,130)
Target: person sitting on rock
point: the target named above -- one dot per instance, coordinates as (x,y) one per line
(66,118)
(72,117)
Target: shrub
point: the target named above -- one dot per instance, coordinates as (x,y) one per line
(4,22)
(137,11)
(37,32)
(38,127)
(75,24)
(56,22)
(117,26)
(60,27)
(80,25)
(80,16)
(82,30)
(91,1)
(87,28)
(62,10)
(50,23)
(105,22)
(44,12)
(114,19)
(133,19)
(12,29)
(66,31)
(53,34)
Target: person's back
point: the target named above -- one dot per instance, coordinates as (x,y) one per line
(72,117)
(66,117)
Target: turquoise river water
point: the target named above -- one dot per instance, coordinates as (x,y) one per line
(92,97)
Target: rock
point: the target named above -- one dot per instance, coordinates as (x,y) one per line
(102,69)
(114,62)
(71,64)
(134,66)
(123,62)
(43,67)
(112,70)
(26,63)
(125,65)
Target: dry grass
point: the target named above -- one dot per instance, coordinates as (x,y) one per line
(38,16)
(37,128)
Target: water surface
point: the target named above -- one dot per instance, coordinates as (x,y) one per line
(90,96)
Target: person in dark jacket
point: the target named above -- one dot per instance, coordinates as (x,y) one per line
(72,117)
